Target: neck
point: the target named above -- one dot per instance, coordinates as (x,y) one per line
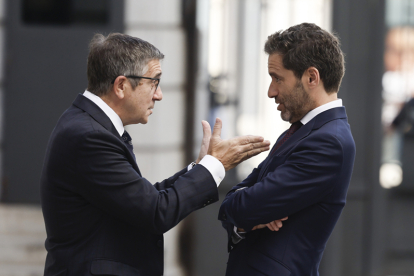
(324,98)
(115,104)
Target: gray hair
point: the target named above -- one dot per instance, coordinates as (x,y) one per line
(117,55)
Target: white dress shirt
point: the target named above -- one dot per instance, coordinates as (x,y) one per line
(212,164)
(115,119)
(312,114)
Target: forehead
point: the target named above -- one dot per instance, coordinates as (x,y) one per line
(154,67)
(275,66)
(275,62)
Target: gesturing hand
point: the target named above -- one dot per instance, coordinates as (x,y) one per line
(206,140)
(233,151)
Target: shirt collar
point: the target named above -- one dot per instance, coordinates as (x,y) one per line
(115,119)
(312,114)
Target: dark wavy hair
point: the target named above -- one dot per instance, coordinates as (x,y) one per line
(306,45)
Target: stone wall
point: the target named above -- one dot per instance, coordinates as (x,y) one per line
(22,237)
(159,145)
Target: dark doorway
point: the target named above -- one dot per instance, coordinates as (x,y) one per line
(46,46)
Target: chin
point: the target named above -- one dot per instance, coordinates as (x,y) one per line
(286,116)
(144,121)
(141,121)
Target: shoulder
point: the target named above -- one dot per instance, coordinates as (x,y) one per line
(340,130)
(76,129)
(327,138)
(331,141)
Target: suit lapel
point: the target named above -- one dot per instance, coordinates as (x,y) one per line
(98,115)
(297,136)
(95,112)
(315,123)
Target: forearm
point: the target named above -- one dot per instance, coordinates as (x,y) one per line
(167,183)
(192,191)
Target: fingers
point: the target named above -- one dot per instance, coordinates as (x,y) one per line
(253,149)
(272,226)
(278,223)
(251,143)
(248,139)
(260,226)
(275,225)
(217,127)
(205,141)
(238,151)
(206,129)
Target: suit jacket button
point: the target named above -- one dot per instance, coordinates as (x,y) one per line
(159,243)
(224,217)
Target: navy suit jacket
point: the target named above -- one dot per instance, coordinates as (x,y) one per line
(102,217)
(306,179)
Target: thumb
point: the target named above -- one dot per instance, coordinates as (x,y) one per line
(217,127)
(206,129)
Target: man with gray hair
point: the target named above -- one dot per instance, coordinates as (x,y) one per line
(102,217)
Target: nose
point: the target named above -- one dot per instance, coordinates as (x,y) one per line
(158,94)
(272,92)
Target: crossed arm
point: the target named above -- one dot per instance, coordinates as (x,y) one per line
(306,176)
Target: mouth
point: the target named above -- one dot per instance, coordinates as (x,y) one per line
(278,103)
(279,106)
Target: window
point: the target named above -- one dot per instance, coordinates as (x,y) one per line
(65,12)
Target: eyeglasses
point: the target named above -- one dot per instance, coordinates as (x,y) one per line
(155,82)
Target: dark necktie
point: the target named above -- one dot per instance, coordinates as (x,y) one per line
(293,128)
(128,142)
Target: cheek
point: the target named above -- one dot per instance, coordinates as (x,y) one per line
(282,93)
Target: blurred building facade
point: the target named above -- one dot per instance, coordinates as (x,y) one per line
(214,66)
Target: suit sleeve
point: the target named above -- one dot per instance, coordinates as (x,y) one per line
(167,183)
(248,182)
(307,175)
(108,180)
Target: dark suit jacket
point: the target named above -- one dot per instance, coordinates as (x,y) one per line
(306,179)
(102,217)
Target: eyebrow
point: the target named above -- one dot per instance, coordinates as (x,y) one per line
(158,75)
(275,75)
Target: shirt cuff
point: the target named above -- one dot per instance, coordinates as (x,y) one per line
(236,236)
(192,165)
(214,167)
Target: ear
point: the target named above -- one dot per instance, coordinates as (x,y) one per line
(119,87)
(311,77)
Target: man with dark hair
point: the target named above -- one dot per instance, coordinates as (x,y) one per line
(305,178)
(102,217)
